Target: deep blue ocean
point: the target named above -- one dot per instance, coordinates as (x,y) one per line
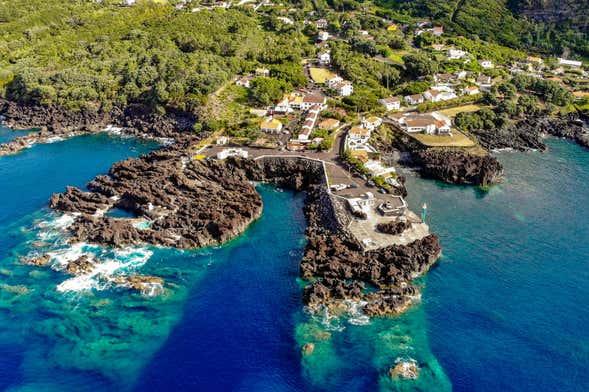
(504,310)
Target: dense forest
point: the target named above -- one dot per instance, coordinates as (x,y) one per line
(89,55)
(552,27)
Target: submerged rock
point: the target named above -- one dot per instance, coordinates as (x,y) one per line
(39,261)
(404,370)
(80,266)
(147,285)
(308,349)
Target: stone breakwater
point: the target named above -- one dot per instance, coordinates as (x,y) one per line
(192,204)
(55,122)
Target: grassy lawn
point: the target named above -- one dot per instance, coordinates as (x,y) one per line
(452,112)
(458,139)
(320,75)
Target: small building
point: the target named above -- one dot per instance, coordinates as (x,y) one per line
(437,31)
(471,90)
(487,64)
(456,54)
(485,82)
(439,93)
(360,206)
(422,23)
(295,145)
(414,99)
(344,88)
(359,135)
(391,103)
(329,124)
(262,72)
(321,24)
(323,36)
(232,152)
(569,63)
(324,58)
(394,207)
(221,141)
(271,125)
(446,78)
(310,100)
(372,123)
(432,123)
(244,82)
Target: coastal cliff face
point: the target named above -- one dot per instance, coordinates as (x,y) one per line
(552,11)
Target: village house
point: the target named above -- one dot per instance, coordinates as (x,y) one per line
(371,123)
(358,135)
(456,54)
(461,75)
(310,100)
(271,125)
(437,31)
(329,124)
(244,82)
(471,90)
(569,63)
(343,89)
(284,106)
(222,140)
(324,58)
(445,78)
(486,64)
(323,36)
(439,93)
(364,33)
(262,72)
(422,23)
(431,123)
(321,24)
(414,99)
(485,82)
(391,103)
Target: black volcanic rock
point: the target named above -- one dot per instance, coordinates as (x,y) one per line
(459,167)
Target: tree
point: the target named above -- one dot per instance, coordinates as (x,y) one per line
(419,64)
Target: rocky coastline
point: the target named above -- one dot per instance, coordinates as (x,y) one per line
(55,123)
(528,134)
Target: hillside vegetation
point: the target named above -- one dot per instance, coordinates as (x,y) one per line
(92,56)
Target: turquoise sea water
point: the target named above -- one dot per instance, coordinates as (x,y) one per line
(504,310)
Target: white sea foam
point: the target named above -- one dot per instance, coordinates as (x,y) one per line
(61,222)
(53,139)
(113,130)
(355,312)
(122,262)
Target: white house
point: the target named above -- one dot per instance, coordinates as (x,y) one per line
(262,72)
(439,93)
(432,123)
(323,36)
(486,64)
(456,54)
(244,82)
(391,103)
(324,58)
(570,63)
(359,135)
(232,152)
(344,89)
(414,99)
(361,205)
(371,123)
(471,90)
(333,81)
(222,140)
(437,31)
(310,100)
